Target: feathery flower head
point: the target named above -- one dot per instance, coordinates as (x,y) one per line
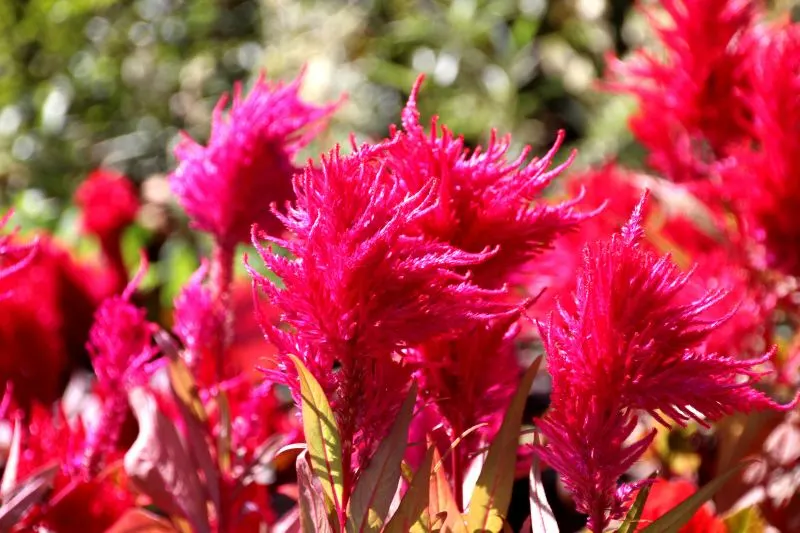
(484,199)
(764,180)
(120,341)
(44,320)
(109,203)
(230,184)
(198,323)
(628,342)
(361,285)
(121,348)
(692,107)
(469,381)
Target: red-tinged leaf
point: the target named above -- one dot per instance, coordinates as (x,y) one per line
(492,495)
(313,513)
(542,519)
(12,463)
(26,494)
(141,521)
(160,466)
(676,518)
(442,504)
(288,523)
(370,501)
(200,452)
(180,377)
(322,436)
(409,516)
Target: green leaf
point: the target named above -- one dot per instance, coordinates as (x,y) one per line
(672,521)
(313,514)
(322,435)
(747,520)
(631,521)
(492,493)
(409,516)
(542,518)
(370,501)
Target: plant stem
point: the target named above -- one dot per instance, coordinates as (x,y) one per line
(221,280)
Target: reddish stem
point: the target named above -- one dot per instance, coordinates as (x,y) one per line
(221,281)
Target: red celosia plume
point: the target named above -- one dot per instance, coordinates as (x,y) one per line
(692,102)
(362,284)
(628,343)
(230,184)
(484,200)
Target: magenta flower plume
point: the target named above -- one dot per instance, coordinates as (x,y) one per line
(120,346)
(229,185)
(361,285)
(13,257)
(691,100)
(763,179)
(198,322)
(469,381)
(629,343)
(485,200)
(109,203)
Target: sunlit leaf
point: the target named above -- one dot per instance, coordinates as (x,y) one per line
(322,435)
(492,493)
(747,520)
(409,515)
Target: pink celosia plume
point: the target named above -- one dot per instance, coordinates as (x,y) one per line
(121,348)
(109,204)
(692,97)
(628,343)
(230,184)
(484,199)
(361,284)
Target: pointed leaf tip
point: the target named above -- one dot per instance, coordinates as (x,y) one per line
(372,497)
(322,435)
(492,495)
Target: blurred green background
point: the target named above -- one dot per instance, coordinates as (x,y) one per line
(85,83)
(89,83)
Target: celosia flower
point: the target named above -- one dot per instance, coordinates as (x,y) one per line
(121,347)
(362,285)
(198,324)
(692,107)
(109,204)
(75,503)
(229,185)
(13,257)
(666,495)
(484,199)
(469,381)
(763,180)
(628,343)
(44,322)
